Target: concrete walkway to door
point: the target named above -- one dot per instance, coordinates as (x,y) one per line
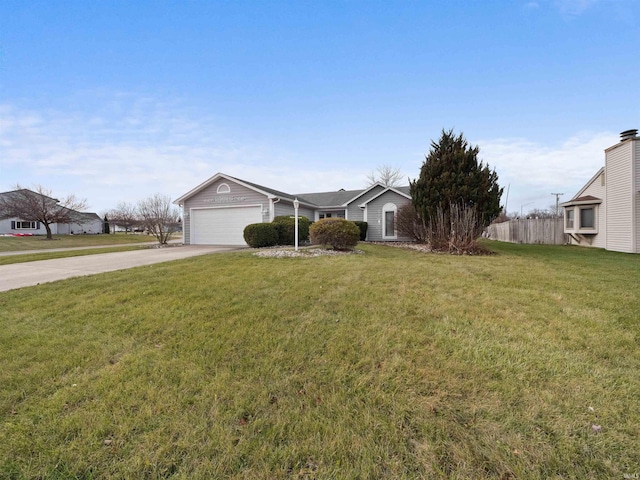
(27,274)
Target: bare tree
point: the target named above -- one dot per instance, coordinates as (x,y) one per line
(40,206)
(125,215)
(386,175)
(159,217)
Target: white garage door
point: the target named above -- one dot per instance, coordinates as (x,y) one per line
(222,226)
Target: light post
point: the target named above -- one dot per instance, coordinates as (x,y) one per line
(296,204)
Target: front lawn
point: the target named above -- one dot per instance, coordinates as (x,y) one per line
(388,364)
(40,242)
(34,257)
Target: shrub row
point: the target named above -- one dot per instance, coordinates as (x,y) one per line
(337,232)
(279,232)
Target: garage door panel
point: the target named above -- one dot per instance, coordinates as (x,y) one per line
(223,226)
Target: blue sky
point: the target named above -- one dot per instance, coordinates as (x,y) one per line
(116,100)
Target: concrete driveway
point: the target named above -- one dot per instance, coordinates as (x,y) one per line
(27,274)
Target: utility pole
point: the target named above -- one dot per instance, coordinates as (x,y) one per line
(557,202)
(555,220)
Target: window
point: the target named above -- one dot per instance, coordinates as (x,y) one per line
(587,218)
(389,224)
(389,221)
(223,188)
(569,218)
(25,225)
(336,214)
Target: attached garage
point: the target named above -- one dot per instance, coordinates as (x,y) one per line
(222,225)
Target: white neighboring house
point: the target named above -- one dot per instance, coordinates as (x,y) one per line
(605,213)
(89,223)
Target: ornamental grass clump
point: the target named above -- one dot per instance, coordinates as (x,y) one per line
(339,233)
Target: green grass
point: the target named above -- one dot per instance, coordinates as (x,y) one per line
(40,242)
(392,364)
(33,257)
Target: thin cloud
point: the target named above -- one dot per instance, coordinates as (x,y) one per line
(533,171)
(125,154)
(131,149)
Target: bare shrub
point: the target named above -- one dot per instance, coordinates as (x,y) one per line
(410,224)
(455,230)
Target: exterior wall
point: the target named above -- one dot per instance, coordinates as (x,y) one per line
(598,190)
(209,198)
(636,192)
(284,208)
(90,227)
(375,218)
(354,212)
(619,198)
(5,227)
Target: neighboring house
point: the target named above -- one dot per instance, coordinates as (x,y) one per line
(605,213)
(217,211)
(85,223)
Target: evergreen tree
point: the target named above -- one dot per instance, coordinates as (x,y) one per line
(452,175)
(106,229)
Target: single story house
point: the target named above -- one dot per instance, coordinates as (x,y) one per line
(217,211)
(84,222)
(605,212)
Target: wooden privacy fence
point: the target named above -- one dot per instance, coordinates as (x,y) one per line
(549,231)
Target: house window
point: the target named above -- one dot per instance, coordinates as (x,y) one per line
(587,218)
(389,221)
(223,188)
(338,214)
(569,218)
(25,225)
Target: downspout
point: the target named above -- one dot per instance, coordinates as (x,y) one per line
(272,210)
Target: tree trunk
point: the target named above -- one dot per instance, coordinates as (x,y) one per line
(48,227)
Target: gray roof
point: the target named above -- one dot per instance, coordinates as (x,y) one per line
(339,198)
(264,189)
(329,199)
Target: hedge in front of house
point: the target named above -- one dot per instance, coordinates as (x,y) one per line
(286,227)
(363,229)
(261,235)
(341,234)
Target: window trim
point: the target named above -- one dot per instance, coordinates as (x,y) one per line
(569,218)
(20,225)
(223,188)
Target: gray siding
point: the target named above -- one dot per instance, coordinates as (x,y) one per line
(286,208)
(636,193)
(354,212)
(619,198)
(208,198)
(374,215)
